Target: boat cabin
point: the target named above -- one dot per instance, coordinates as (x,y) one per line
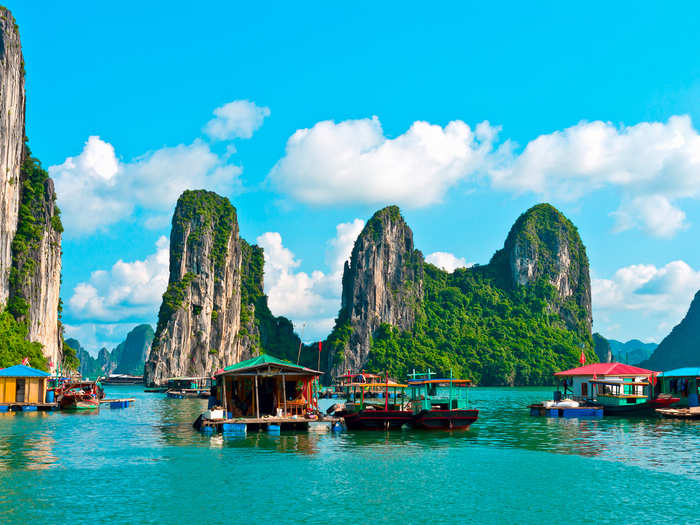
(439,394)
(22,384)
(386,395)
(683,383)
(607,383)
(266,386)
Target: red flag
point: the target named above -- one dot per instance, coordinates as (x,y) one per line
(319,347)
(582,360)
(25,361)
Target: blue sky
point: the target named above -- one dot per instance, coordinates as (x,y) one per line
(592,108)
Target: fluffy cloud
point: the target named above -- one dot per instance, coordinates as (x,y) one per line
(352,161)
(309,300)
(646,299)
(93,336)
(237,119)
(653,164)
(129,290)
(447,261)
(95,189)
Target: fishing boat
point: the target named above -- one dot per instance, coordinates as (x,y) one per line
(79,395)
(620,396)
(362,412)
(440,403)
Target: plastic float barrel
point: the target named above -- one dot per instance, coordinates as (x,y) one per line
(50,396)
(28,408)
(337,427)
(273,429)
(234,428)
(4,408)
(693,400)
(553,412)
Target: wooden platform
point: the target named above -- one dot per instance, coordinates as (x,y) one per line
(16,406)
(244,424)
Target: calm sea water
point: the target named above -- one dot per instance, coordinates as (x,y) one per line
(145,464)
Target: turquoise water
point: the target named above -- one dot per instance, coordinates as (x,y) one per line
(145,464)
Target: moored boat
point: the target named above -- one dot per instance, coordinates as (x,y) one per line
(440,403)
(362,412)
(79,395)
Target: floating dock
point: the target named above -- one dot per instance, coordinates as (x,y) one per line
(272,424)
(117,403)
(566,412)
(17,406)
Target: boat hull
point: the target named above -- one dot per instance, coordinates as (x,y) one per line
(445,419)
(73,404)
(642,408)
(377,419)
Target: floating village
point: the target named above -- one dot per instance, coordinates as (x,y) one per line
(269,394)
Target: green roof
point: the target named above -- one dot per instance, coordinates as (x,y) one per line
(265,359)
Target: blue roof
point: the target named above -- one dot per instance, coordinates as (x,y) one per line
(682,372)
(22,371)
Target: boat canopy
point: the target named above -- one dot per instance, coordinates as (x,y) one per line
(606,369)
(390,384)
(413,382)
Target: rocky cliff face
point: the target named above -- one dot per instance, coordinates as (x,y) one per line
(513,321)
(544,246)
(30,229)
(129,357)
(602,348)
(681,347)
(200,316)
(12,101)
(381,284)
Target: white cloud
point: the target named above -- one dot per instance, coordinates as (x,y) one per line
(237,119)
(653,164)
(447,261)
(129,290)
(352,161)
(307,299)
(93,336)
(647,301)
(95,189)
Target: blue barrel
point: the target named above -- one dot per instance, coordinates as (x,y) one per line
(29,408)
(50,396)
(693,400)
(337,427)
(273,429)
(4,408)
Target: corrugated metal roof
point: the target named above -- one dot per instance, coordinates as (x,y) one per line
(682,372)
(22,371)
(606,369)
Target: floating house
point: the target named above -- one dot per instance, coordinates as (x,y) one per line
(587,382)
(683,383)
(23,388)
(263,392)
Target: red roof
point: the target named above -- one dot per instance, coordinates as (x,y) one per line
(606,369)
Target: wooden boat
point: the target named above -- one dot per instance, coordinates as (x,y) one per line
(362,412)
(79,395)
(440,403)
(182,387)
(680,413)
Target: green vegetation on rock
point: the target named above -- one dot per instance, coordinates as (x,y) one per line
(14,346)
(491,335)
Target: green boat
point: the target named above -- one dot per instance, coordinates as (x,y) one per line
(440,403)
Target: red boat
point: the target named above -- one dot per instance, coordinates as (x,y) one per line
(79,395)
(375,406)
